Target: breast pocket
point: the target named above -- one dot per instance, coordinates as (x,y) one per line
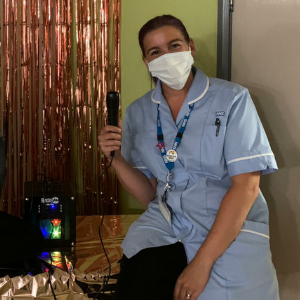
(212,151)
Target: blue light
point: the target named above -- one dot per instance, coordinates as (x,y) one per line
(52,206)
(44,232)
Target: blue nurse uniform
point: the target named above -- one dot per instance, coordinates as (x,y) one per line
(201,177)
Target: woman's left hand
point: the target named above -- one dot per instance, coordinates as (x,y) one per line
(192,281)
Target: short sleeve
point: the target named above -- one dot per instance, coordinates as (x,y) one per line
(246,147)
(129,151)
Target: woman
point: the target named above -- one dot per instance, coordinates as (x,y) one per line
(193,150)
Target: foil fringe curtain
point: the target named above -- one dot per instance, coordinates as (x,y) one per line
(58,59)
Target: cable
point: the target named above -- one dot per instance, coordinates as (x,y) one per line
(51,261)
(108,165)
(51,286)
(40,174)
(104,250)
(106,278)
(31,202)
(49,272)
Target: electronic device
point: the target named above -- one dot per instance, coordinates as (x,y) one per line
(112,103)
(52,207)
(20,241)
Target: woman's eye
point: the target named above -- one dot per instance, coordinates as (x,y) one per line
(154,53)
(175,46)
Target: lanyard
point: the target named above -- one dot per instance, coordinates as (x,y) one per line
(178,138)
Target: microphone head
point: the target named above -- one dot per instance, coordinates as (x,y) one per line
(112,95)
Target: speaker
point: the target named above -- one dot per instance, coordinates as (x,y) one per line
(19,240)
(52,207)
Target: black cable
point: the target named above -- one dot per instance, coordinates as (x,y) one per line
(40,174)
(108,166)
(49,272)
(106,278)
(52,186)
(51,262)
(31,202)
(51,286)
(109,264)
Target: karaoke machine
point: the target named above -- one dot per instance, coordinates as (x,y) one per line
(52,207)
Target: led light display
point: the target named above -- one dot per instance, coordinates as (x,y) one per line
(51,229)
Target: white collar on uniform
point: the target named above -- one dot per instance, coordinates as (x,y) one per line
(197,91)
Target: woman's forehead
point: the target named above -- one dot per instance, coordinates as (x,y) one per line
(162,36)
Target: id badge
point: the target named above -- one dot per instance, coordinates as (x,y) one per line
(165,210)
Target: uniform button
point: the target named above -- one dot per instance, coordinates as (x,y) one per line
(172,186)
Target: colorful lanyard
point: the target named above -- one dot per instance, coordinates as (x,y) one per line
(160,138)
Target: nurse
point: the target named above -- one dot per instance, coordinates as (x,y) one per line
(193,150)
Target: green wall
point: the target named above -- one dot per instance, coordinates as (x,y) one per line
(200,19)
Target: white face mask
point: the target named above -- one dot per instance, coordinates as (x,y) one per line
(173,68)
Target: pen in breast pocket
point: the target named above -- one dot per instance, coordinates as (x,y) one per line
(218,124)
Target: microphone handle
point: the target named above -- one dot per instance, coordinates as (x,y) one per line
(112,102)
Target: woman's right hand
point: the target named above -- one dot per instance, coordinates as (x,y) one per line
(136,183)
(110,140)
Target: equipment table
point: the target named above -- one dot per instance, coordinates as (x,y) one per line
(86,262)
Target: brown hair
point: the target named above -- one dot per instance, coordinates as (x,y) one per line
(160,21)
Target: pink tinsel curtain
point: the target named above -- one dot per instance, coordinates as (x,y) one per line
(58,58)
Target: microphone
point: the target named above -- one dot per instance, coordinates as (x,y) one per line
(112,103)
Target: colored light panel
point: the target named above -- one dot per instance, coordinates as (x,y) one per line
(51,229)
(56,222)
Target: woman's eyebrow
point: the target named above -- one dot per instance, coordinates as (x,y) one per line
(175,40)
